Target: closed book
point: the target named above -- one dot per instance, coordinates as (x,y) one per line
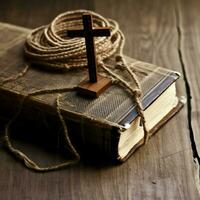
(108,124)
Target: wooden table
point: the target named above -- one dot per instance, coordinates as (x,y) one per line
(166,33)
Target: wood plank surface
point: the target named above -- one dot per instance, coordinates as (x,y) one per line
(165,33)
(189,28)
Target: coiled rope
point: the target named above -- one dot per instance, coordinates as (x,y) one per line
(50,47)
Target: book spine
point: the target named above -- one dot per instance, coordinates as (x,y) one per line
(94,141)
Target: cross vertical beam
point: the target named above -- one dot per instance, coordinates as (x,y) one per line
(90,49)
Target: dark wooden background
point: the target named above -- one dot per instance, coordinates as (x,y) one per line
(165,33)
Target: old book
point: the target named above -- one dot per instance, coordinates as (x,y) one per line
(113,109)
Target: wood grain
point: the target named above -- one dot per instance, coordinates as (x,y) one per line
(165,33)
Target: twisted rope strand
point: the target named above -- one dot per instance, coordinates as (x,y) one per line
(15,77)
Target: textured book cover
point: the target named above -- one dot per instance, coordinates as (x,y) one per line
(115,107)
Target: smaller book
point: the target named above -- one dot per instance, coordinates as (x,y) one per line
(118,138)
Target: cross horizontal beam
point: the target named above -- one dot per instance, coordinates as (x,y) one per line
(75,33)
(99,32)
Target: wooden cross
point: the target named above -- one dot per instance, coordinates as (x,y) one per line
(96,83)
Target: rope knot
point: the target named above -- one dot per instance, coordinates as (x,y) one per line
(118,58)
(137,93)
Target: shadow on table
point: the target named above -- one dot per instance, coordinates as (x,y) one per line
(43,143)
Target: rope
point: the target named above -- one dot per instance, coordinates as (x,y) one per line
(15,77)
(27,161)
(50,47)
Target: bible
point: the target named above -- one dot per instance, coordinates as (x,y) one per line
(108,124)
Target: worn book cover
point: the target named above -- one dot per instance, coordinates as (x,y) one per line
(115,107)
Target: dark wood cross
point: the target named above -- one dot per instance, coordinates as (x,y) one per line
(96,83)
